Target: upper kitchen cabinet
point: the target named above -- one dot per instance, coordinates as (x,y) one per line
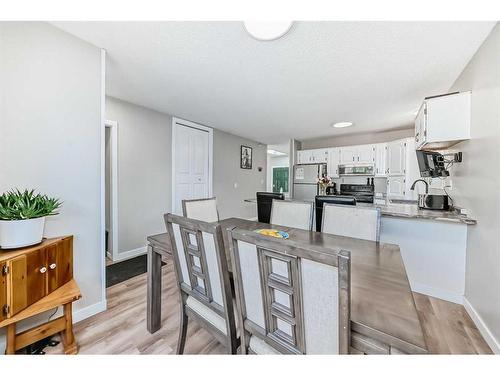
(380,159)
(396,157)
(363,154)
(333,162)
(312,156)
(348,155)
(443,121)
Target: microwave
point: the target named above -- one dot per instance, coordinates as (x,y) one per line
(357,170)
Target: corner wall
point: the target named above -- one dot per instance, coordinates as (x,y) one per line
(476,184)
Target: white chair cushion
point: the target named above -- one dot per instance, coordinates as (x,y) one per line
(351,221)
(261,347)
(211,316)
(203,210)
(291,214)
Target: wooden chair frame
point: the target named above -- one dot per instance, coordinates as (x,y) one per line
(357,208)
(311,215)
(184,208)
(196,227)
(289,251)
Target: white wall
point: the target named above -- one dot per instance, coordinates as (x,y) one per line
(227,173)
(357,139)
(476,184)
(144,173)
(50,132)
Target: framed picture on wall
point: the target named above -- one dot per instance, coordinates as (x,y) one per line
(246,157)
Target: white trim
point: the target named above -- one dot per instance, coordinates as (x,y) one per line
(87,312)
(103,196)
(130,254)
(482,327)
(178,121)
(437,293)
(113,125)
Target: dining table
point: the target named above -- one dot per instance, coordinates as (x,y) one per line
(384,318)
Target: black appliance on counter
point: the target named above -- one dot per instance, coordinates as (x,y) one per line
(332,189)
(431,164)
(320,200)
(362,193)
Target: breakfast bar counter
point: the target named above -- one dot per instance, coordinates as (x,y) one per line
(384,318)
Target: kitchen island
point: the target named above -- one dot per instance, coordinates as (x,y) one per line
(433,246)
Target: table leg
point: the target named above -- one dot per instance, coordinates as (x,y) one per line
(154,290)
(69,342)
(11,339)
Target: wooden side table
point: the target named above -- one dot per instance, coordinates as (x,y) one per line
(63,296)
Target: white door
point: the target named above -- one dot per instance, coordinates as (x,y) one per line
(192,149)
(380,160)
(366,154)
(396,187)
(333,162)
(396,152)
(347,155)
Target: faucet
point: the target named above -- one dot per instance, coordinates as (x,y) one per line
(426,185)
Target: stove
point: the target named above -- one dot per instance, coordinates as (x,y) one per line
(362,193)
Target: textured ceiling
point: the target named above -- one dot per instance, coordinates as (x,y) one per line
(374,74)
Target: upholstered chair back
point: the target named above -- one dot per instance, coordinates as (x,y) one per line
(201,209)
(351,221)
(202,271)
(291,299)
(292,214)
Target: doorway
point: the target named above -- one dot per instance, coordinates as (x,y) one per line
(111,190)
(192,162)
(280,179)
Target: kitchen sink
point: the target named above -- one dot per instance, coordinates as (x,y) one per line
(403,201)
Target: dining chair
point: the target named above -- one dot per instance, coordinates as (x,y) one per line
(204,209)
(352,221)
(203,279)
(264,204)
(320,201)
(292,214)
(292,298)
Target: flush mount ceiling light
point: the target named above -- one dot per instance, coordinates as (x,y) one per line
(275,152)
(266,31)
(343,124)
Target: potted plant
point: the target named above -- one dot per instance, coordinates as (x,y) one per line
(323,181)
(22,217)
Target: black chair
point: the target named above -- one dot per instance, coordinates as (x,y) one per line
(265,203)
(322,199)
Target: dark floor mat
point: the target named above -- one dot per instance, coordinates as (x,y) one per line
(118,272)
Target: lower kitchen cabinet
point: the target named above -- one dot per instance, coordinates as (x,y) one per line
(396,187)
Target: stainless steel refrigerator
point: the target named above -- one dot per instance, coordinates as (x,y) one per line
(305,186)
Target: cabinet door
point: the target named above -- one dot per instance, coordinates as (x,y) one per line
(333,162)
(396,187)
(17,285)
(36,274)
(396,152)
(3,291)
(320,155)
(347,155)
(365,154)
(59,264)
(380,160)
(420,125)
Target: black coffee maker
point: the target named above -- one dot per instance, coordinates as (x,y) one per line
(332,189)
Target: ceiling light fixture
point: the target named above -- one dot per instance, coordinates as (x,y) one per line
(343,124)
(267,31)
(275,153)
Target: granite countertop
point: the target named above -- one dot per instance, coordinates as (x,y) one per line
(411,211)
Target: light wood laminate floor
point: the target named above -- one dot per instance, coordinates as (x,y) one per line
(122,328)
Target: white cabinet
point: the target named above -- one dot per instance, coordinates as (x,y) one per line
(333,162)
(396,158)
(396,187)
(381,160)
(312,156)
(347,155)
(443,121)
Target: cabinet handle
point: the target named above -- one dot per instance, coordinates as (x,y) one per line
(52,266)
(43,269)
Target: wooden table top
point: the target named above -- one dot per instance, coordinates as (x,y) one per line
(381,297)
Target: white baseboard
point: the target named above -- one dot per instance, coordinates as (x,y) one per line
(88,311)
(482,327)
(437,293)
(131,253)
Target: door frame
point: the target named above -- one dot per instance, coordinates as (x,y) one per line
(181,122)
(113,126)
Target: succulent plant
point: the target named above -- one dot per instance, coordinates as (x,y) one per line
(17,205)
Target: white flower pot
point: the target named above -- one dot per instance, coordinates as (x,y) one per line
(20,233)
